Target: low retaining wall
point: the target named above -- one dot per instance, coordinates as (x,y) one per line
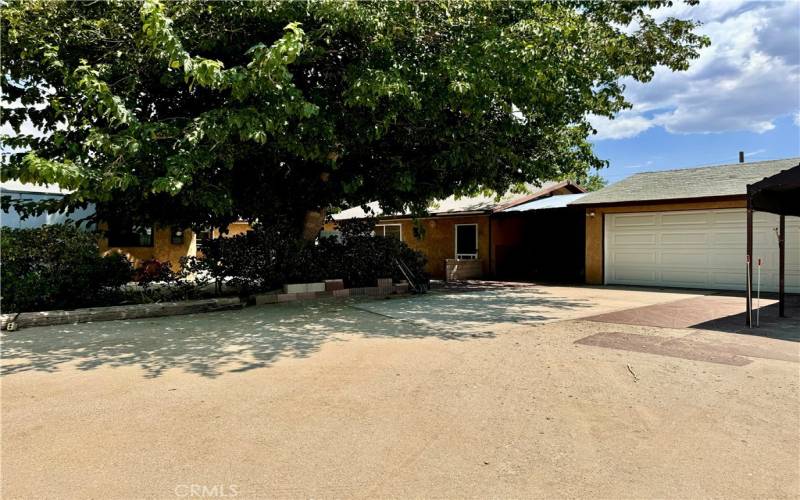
(329,288)
(46,318)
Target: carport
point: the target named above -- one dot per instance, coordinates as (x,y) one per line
(541,240)
(778,194)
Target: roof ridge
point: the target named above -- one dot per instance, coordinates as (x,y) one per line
(701,167)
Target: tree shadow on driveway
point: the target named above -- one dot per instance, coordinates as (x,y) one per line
(474,311)
(212,344)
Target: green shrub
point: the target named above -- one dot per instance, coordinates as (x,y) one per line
(252,261)
(265,258)
(360,258)
(57,267)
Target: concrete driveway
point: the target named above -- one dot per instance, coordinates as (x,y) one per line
(481,393)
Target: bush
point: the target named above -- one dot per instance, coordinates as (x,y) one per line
(360,258)
(157,282)
(256,260)
(265,258)
(58,267)
(153,271)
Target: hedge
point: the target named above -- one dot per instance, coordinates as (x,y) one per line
(57,267)
(264,259)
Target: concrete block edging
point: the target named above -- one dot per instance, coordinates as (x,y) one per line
(310,291)
(112,313)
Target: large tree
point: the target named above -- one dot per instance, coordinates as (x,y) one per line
(196,113)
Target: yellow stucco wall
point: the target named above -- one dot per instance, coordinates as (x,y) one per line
(438,241)
(234,229)
(162,249)
(594,227)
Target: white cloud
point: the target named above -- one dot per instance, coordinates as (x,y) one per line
(626,124)
(797,118)
(746,79)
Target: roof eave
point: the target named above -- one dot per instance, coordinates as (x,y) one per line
(659,201)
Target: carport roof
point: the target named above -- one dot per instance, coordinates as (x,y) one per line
(557,201)
(688,183)
(779,194)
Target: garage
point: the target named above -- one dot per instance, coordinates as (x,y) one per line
(687,228)
(696,249)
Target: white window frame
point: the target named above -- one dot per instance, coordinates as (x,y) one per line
(465,256)
(382,232)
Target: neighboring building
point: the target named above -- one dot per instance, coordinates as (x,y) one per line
(686,228)
(19,191)
(461,237)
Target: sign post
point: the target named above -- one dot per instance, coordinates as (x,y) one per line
(749,293)
(758,295)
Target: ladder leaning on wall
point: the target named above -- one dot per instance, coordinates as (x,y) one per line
(417,284)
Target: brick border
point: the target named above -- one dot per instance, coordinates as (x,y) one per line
(333,288)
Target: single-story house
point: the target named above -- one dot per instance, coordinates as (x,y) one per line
(463,237)
(686,228)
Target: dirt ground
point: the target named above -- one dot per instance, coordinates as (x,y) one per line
(477,394)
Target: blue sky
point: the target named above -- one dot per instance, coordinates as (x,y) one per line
(741,94)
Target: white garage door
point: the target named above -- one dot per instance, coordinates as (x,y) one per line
(697,249)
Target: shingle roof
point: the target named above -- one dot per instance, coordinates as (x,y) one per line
(687,183)
(465,204)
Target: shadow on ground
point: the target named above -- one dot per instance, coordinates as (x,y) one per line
(234,341)
(719,312)
(769,323)
(480,308)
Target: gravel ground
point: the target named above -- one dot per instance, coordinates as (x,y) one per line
(329,400)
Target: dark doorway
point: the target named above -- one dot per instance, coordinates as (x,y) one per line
(540,245)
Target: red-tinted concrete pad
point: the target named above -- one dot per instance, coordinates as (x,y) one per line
(666,346)
(680,313)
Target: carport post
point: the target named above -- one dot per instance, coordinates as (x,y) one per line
(749,311)
(781,265)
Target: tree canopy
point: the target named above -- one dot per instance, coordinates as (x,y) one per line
(198,113)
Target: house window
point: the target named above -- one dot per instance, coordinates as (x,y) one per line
(390,231)
(177,236)
(136,236)
(204,235)
(466,241)
(335,233)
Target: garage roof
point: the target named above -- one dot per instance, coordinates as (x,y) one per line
(688,183)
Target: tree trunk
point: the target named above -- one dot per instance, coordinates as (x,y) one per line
(312,223)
